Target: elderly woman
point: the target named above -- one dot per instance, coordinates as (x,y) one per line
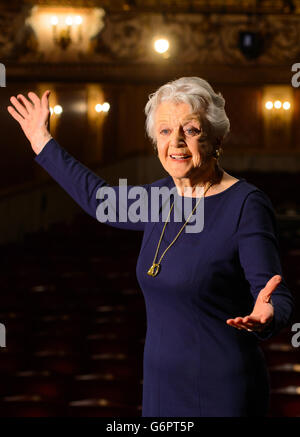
(207,293)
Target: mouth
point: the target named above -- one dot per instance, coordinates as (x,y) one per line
(180,157)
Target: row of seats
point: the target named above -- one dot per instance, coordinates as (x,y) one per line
(76,325)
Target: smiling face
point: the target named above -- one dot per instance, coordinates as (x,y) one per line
(178,132)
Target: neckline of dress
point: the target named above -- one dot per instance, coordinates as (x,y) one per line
(212,195)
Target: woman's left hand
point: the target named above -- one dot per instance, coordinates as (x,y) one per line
(263,311)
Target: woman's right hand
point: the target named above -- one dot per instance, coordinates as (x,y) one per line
(33,116)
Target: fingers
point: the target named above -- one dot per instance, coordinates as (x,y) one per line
(237,323)
(270,286)
(249,323)
(45,99)
(250,320)
(35,99)
(25,106)
(254,323)
(246,326)
(26,102)
(19,107)
(15,114)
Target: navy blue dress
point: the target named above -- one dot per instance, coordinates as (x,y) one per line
(196,365)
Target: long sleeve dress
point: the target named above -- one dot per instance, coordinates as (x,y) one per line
(195,365)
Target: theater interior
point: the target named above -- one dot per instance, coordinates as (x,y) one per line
(73,312)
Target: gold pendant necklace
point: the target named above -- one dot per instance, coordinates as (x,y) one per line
(155,268)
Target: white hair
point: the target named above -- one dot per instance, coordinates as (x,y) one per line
(202,99)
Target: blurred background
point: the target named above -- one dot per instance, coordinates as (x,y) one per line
(69,299)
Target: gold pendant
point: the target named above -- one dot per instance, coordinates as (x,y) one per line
(154,269)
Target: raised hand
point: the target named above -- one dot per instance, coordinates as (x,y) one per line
(33,117)
(263,311)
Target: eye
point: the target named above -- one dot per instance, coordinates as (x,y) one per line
(164,131)
(192,131)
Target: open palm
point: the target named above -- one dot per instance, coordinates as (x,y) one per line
(263,311)
(33,117)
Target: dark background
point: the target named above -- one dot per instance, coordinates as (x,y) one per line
(75,319)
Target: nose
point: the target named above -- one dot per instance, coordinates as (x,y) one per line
(177,138)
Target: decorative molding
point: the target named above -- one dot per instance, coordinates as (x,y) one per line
(15,36)
(195,39)
(184,6)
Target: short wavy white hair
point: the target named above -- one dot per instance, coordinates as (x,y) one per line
(202,99)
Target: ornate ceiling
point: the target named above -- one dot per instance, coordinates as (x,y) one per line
(124,40)
(185,6)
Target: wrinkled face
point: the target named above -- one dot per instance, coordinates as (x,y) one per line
(178,132)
